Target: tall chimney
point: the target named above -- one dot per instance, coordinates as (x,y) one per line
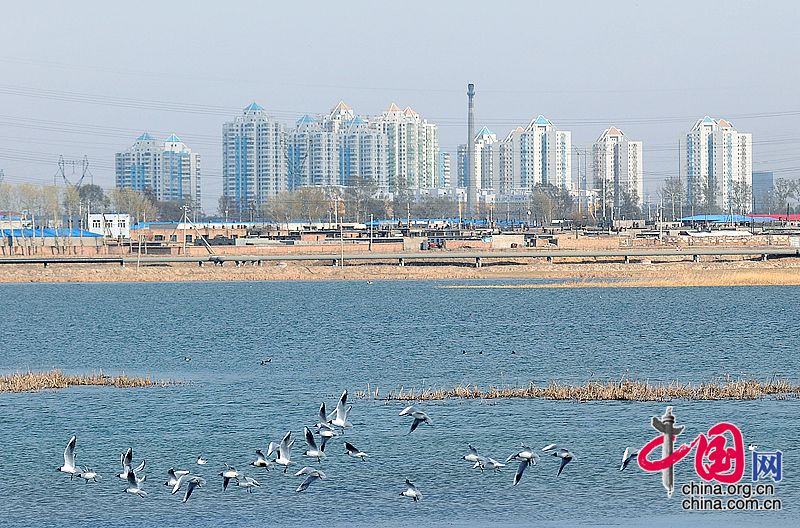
(472,190)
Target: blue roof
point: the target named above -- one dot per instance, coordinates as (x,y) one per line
(253,106)
(484,131)
(145,137)
(356,121)
(174,139)
(33,233)
(707,119)
(541,121)
(306,119)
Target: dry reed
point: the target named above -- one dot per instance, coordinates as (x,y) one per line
(56,379)
(625,389)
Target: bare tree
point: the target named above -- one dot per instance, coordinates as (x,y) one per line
(673,194)
(740,196)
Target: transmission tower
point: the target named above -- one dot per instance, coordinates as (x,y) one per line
(84,166)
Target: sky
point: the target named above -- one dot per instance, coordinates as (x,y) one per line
(87,78)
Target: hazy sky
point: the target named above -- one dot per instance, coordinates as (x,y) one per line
(88,78)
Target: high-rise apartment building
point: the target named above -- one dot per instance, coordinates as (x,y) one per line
(254,158)
(540,153)
(413,147)
(444,170)
(614,166)
(171,170)
(717,166)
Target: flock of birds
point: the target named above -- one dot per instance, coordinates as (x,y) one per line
(327,427)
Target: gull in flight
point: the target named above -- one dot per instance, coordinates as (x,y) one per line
(69,459)
(284,452)
(313,451)
(126,459)
(560,452)
(340,417)
(313,474)
(191,481)
(88,474)
(417,414)
(247,483)
(488,463)
(174,476)
(135,485)
(527,457)
(325,429)
(261,460)
(229,473)
(473,455)
(355,452)
(627,456)
(412,491)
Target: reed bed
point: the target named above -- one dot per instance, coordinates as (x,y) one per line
(625,389)
(56,379)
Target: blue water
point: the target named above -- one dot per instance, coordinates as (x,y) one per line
(323,337)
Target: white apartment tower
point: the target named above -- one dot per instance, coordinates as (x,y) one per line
(614,165)
(413,147)
(539,153)
(312,155)
(254,164)
(716,164)
(171,170)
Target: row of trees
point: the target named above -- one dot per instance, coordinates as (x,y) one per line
(775,200)
(50,204)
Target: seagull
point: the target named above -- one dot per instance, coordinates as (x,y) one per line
(325,429)
(340,417)
(627,456)
(355,452)
(527,457)
(412,491)
(126,459)
(488,463)
(752,447)
(247,483)
(313,451)
(261,460)
(187,358)
(88,474)
(562,453)
(69,458)
(418,415)
(135,485)
(285,452)
(473,455)
(174,476)
(202,461)
(313,474)
(191,481)
(229,473)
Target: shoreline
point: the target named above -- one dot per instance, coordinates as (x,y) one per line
(726,271)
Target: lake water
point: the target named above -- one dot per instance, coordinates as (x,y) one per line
(323,337)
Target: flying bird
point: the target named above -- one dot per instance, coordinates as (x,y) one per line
(88,474)
(191,481)
(247,483)
(472,456)
(229,473)
(627,456)
(135,485)
(325,429)
(488,463)
(174,476)
(412,491)
(69,458)
(261,460)
(313,451)
(564,454)
(312,475)
(527,457)
(354,452)
(340,417)
(284,450)
(418,415)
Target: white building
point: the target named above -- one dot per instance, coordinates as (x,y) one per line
(717,164)
(413,147)
(170,169)
(254,164)
(614,165)
(110,225)
(539,153)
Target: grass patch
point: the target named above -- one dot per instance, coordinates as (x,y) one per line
(56,379)
(625,389)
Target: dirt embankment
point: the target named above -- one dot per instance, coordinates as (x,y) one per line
(712,272)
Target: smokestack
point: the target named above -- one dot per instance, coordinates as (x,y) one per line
(472,190)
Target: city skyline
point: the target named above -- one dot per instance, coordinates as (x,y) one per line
(86,80)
